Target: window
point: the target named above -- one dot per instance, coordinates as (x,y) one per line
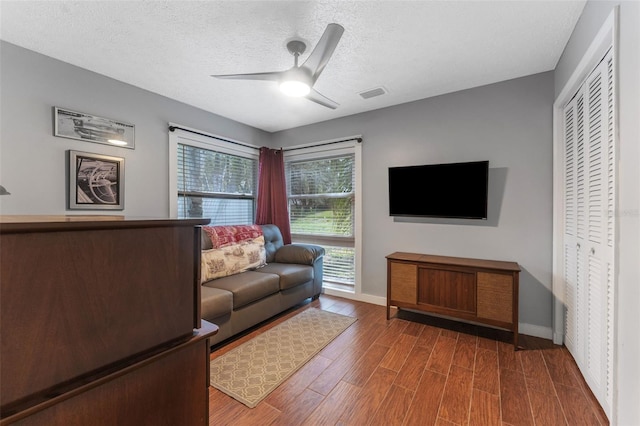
(216,185)
(321,195)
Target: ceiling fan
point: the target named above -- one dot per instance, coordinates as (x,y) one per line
(299,80)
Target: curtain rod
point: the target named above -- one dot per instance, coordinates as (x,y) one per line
(359,140)
(173,128)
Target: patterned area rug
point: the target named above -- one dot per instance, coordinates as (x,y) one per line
(251,371)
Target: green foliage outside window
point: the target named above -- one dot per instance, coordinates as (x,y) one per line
(321,196)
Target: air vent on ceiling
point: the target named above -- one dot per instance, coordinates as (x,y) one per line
(373,93)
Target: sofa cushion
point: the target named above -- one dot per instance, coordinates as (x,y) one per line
(247,287)
(215,302)
(291,275)
(272,241)
(304,254)
(205,241)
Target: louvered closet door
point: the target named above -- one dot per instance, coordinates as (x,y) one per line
(590,229)
(571,244)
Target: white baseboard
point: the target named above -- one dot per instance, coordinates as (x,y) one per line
(367,298)
(558,338)
(523,328)
(535,330)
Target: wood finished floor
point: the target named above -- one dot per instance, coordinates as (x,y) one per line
(418,370)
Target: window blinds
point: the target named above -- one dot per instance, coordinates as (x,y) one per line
(216,185)
(321,194)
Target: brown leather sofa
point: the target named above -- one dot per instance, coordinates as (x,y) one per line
(235,303)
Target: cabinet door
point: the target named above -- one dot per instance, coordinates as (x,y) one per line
(404,282)
(495,297)
(450,289)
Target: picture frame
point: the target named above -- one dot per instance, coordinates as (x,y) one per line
(91,128)
(95,181)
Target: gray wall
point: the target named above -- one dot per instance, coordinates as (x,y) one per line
(506,123)
(628,208)
(32,164)
(509,124)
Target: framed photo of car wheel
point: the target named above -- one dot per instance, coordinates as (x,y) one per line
(96,182)
(90,128)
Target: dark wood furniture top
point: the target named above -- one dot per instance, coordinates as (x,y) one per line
(456,261)
(84,297)
(31,223)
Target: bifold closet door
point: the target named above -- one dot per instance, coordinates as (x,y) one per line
(589,229)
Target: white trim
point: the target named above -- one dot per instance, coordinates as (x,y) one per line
(523,328)
(596,51)
(594,54)
(358,222)
(173,175)
(535,330)
(557,280)
(360,297)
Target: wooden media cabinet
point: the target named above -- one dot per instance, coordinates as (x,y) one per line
(474,290)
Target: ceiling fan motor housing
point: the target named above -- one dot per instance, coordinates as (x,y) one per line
(296,47)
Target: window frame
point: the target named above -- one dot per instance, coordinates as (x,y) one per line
(328,149)
(208,142)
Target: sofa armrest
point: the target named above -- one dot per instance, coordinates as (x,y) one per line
(303,254)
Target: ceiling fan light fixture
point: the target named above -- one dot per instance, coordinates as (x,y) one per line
(295,88)
(298,81)
(118,142)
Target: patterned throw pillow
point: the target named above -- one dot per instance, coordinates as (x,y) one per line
(232,259)
(226,235)
(221,236)
(236,248)
(247,232)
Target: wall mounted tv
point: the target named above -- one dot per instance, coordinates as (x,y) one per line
(453,190)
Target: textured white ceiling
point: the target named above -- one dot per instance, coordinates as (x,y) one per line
(414,49)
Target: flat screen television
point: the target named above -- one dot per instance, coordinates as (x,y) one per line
(453,190)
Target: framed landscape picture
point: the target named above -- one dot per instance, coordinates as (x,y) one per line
(96,182)
(90,128)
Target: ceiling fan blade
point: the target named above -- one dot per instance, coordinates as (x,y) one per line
(321,54)
(318,98)
(267,76)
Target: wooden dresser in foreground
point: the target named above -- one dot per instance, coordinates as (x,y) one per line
(100,322)
(475,290)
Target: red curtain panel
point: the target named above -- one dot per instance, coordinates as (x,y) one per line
(272,192)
